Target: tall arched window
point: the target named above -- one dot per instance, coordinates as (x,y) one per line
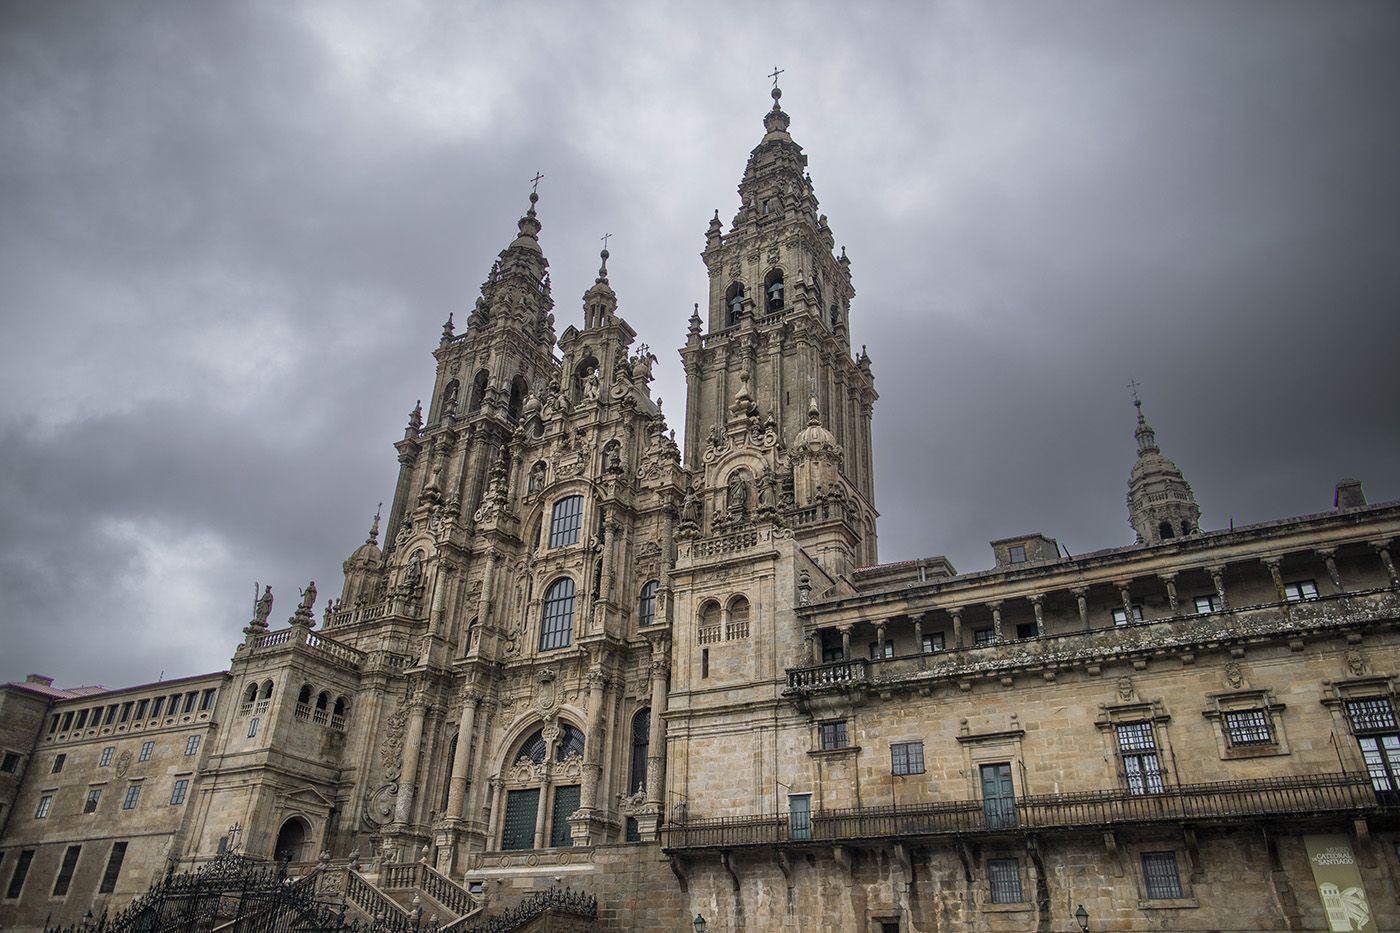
(557,622)
(738,625)
(267,690)
(449,398)
(708,629)
(570,742)
(518,391)
(734,303)
(641,739)
(478,392)
(565,521)
(646,609)
(773,290)
(447,774)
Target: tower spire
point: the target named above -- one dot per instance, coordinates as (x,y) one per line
(1161,504)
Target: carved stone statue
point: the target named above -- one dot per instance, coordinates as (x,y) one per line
(738,492)
(308,597)
(262,606)
(690,509)
(592,385)
(767,488)
(613,458)
(536,477)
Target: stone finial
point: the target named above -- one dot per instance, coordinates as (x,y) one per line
(374,528)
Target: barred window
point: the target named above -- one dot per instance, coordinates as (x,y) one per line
(1161,878)
(833,735)
(1249,727)
(1372,714)
(1005,875)
(1135,736)
(907,757)
(565,521)
(646,610)
(933,642)
(557,625)
(984,636)
(641,745)
(1142,768)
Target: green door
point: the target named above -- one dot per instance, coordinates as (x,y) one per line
(799,817)
(998,796)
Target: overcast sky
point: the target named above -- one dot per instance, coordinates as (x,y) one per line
(230,233)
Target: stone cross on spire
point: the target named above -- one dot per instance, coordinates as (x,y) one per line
(535,183)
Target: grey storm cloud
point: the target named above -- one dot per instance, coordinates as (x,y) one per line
(231,231)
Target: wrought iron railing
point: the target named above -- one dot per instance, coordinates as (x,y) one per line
(1221,801)
(557,900)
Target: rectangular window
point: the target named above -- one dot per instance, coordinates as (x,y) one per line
(984,636)
(907,758)
(94,795)
(1373,714)
(1209,603)
(65,870)
(1382,756)
(1142,768)
(1027,630)
(141,708)
(17,877)
(114,868)
(157,706)
(1120,615)
(632,831)
(177,794)
(133,796)
(876,653)
(253,727)
(704,663)
(67,719)
(831,647)
(833,735)
(106,759)
(522,807)
(58,761)
(933,642)
(146,749)
(1299,590)
(191,700)
(1160,876)
(81,721)
(1249,727)
(45,804)
(206,702)
(1017,553)
(111,715)
(10,763)
(1005,875)
(126,711)
(192,745)
(565,521)
(566,800)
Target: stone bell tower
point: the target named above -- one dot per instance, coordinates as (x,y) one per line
(1161,504)
(774,353)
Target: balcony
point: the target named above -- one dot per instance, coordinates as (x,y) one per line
(833,674)
(1220,802)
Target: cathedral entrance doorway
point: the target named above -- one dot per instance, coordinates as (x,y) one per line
(293,841)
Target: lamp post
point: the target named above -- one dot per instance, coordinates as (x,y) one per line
(1082,917)
(699,923)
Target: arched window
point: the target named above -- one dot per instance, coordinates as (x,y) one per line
(304,697)
(533,748)
(709,622)
(646,609)
(518,391)
(1164,531)
(323,700)
(835,317)
(773,290)
(565,521)
(341,706)
(557,622)
(641,739)
(738,626)
(734,304)
(251,694)
(447,775)
(478,392)
(267,690)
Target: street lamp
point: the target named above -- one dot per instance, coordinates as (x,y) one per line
(699,923)
(1082,916)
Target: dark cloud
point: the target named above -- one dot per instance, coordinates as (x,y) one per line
(230,233)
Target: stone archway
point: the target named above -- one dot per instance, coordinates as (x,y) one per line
(293,841)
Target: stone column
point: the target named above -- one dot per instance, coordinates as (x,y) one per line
(610,532)
(1125,593)
(956,614)
(1217,576)
(656,738)
(880,640)
(413,737)
(1382,549)
(592,749)
(1081,598)
(1275,565)
(845,642)
(918,618)
(1169,581)
(996,618)
(488,577)
(551,742)
(1037,601)
(457,788)
(1329,557)
(435,610)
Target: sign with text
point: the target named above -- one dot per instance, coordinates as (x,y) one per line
(1339,884)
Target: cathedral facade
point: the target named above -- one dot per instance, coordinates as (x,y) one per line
(575,652)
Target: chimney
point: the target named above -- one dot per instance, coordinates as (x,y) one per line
(1348,495)
(39,679)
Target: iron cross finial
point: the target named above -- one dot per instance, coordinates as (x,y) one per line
(536,182)
(1133,385)
(776,71)
(604,238)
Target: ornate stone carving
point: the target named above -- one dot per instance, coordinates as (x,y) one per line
(1234,675)
(391,747)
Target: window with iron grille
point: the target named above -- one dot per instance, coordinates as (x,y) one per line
(566,801)
(984,636)
(933,642)
(1160,876)
(641,744)
(146,749)
(65,870)
(646,610)
(1249,727)
(1142,768)
(565,521)
(522,808)
(1372,714)
(114,868)
(557,623)
(133,796)
(833,735)
(1005,876)
(633,831)
(907,757)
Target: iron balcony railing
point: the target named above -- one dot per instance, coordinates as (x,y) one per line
(1214,802)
